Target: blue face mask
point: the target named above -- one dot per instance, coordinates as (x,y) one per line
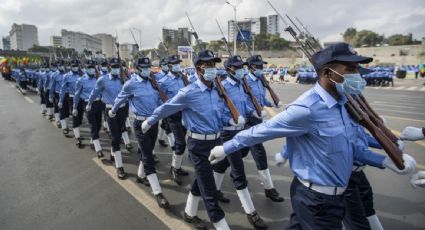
(145,72)
(175,68)
(62,68)
(115,71)
(74,69)
(91,71)
(353,83)
(258,72)
(165,68)
(239,73)
(104,69)
(210,74)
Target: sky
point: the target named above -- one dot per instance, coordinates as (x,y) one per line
(326,19)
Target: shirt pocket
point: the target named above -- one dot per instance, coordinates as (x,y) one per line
(333,135)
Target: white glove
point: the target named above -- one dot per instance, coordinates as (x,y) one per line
(111,114)
(60,105)
(88,108)
(280,160)
(241,122)
(263,114)
(418,179)
(74,112)
(38,91)
(279,105)
(409,165)
(145,126)
(51,99)
(384,121)
(400,145)
(217,154)
(412,134)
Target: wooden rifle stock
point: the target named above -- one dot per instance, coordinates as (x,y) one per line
(248,91)
(272,93)
(377,121)
(390,148)
(184,78)
(155,85)
(222,92)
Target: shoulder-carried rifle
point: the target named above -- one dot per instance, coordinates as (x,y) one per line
(358,108)
(220,89)
(245,85)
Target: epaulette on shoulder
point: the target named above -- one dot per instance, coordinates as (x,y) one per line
(307,99)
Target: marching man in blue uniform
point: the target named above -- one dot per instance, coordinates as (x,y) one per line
(109,86)
(54,86)
(164,131)
(202,110)
(143,99)
(321,142)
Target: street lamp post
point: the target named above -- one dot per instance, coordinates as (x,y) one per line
(234,27)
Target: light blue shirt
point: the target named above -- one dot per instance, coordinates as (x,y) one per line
(41,80)
(160,75)
(69,85)
(142,97)
(238,96)
(321,141)
(258,90)
(84,86)
(171,84)
(56,80)
(202,109)
(107,86)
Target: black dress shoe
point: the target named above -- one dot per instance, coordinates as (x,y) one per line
(78,143)
(181,172)
(195,221)
(65,131)
(51,117)
(112,158)
(81,138)
(175,176)
(121,174)
(99,154)
(155,158)
(162,143)
(222,198)
(162,201)
(273,195)
(92,147)
(143,180)
(58,124)
(129,147)
(256,221)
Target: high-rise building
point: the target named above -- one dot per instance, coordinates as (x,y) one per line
(80,41)
(5,43)
(273,25)
(127,50)
(56,41)
(254,25)
(108,44)
(181,36)
(23,37)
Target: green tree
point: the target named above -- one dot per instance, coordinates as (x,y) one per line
(399,39)
(367,38)
(349,35)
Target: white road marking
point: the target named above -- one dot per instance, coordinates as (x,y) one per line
(399,87)
(29,99)
(411,88)
(144,198)
(422,89)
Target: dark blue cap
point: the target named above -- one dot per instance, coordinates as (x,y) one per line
(255,60)
(163,61)
(75,62)
(341,51)
(173,59)
(90,63)
(205,55)
(114,62)
(234,61)
(143,62)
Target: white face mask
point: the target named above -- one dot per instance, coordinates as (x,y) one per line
(74,69)
(91,71)
(115,71)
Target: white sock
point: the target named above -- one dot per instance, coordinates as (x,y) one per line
(177,161)
(171,139)
(112,152)
(153,180)
(57,117)
(374,222)
(222,225)
(141,170)
(246,200)
(218,178)
(127,123)
(192,203)
(63,124)
(97,146)
(266,179)
(43,107)
(118,159)
(76,132)
(161,134)
(125,137)
(50,111)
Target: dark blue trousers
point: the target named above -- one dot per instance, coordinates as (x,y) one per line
(258,151)
(146,145)
(203,183)
(359,202)
(42,97)
(66,109)
(116,125)
(235,161)
(314,210)
(46,96)
(78,120)
(95,118)
(179,131)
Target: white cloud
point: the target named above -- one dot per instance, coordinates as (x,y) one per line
(325,18)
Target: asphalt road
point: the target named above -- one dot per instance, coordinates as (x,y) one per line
(48,183)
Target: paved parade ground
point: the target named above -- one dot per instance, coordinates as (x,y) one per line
(46,182)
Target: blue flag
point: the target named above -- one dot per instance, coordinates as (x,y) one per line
(244,37)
